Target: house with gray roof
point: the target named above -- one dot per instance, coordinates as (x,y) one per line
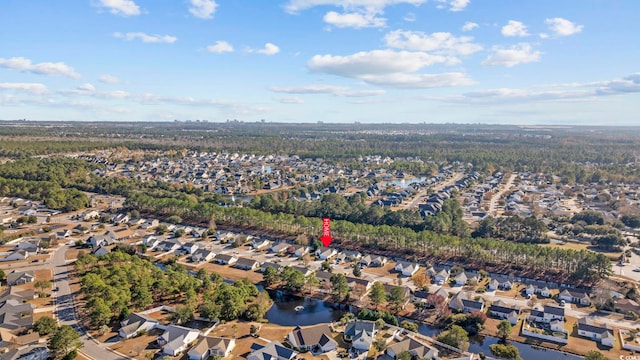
(210,346)
(601,333)
(176,339)
(317,339)
(417,349)
(136,323)
(20,277)
(361,334)
(271,351)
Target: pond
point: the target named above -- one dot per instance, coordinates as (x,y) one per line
(404,183)
(284,313)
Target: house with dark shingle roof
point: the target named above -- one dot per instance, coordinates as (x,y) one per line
(360,334)
(463,301)
(575,296)
(20,277)
(247,264)
(272,351)
(135,323)
(501,310)
(317,339)
(602,333)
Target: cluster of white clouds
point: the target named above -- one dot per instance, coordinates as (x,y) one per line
(146,38)
(557,26)
(221,47)
(203,9)
(46,68)
(365,13)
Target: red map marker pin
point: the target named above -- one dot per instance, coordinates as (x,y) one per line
(326,232)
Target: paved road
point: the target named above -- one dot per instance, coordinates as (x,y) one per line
(422,195)
(66,310)
(496,197)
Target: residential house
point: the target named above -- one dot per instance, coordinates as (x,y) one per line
(325,253)
(406,268)
(493,285)
(202,255)
(417,349)
(30,352)
(501,310)
(247,264)
(101,251)
(258,243)
(575,296)
(460,279)
(463,301)
(589,329)
(135,324)
(225,259)
(16,316)
(30,245)
(298,250)
(210,346)
(354,282)
(176,339)
(279,247)
(317,339)
(549,314)
(441,277)
(535,290)
(17,255)
(63,234)
(360,334)
(20,277)
(303,270)
(107,238)
(373,261)
(272,351)
(442,292)
(266,265)
(168,246)
(189,248)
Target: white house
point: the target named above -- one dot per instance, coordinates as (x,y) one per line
(209,346)
(441,277)
(258,243)
(360,334)
(17,255)
(176,339)
(602,333)
(575,296)
(503,311)
(273,350)
(406,268)
(325,253)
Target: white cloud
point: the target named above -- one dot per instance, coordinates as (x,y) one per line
(203,9)
(86,88)
(553,92)
(294,6)
(389,68)
(46,68)
(410,17)
(459,5)
(108,79)
(146,38)
(354,20)
(563,27)
(268,49)
(31,88)
(419,81)
(439,43)
(220,47)
(468,26)
(343,91)
(373,62)
(121,7)
(291,100)
(515,28)
(514,55)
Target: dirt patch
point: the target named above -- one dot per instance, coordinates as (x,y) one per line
(139,346)
(231,273)
(386,270)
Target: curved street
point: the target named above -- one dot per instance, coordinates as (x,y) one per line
(65,308)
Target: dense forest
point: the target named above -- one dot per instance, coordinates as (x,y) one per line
(578,155)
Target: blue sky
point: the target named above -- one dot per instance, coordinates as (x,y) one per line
(434,61)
